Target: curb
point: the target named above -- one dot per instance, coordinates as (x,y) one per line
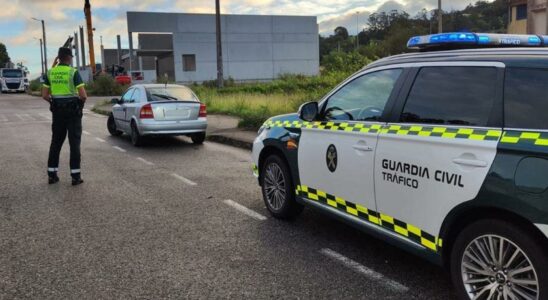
(230,141)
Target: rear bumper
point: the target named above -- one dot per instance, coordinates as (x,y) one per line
(152,127)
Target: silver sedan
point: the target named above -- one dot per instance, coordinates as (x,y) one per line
(158,109)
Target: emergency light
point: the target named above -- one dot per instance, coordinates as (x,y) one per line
(458,40)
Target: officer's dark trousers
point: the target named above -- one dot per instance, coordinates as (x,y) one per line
(66,119)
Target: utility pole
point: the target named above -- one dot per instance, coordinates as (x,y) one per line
(76,52)
(440,17)
(83,46)
(44,46)
(357,30)
(220,80)
(42,57)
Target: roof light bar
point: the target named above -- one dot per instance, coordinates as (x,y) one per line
(475,40)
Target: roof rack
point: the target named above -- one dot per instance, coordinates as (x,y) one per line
(467,40)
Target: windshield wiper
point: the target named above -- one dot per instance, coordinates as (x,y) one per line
(165,96)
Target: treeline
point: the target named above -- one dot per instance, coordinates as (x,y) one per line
(387,33)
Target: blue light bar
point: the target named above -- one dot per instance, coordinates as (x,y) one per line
(468,39)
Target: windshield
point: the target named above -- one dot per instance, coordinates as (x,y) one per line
(13,73)
(171,93)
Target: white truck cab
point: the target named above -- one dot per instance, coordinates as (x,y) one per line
(13,80)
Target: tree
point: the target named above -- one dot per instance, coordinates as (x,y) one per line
(4,57)
(341,32)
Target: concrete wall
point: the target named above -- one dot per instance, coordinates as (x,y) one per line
(254,47)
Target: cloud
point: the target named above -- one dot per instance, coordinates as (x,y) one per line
(109,17)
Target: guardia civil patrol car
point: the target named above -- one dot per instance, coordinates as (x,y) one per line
(442,152)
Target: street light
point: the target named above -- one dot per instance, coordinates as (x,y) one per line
(45,48)
(357,30)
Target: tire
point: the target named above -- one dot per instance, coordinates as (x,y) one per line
(278,189)
(198,138)
(111,126)
(498,276)
(136,138)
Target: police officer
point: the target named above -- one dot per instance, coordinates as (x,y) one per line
(64,90)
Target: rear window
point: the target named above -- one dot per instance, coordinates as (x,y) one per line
(452,96)
(170,93)
(526,98)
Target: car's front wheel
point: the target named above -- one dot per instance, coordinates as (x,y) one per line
(111,126)
(494,259)
(278,189)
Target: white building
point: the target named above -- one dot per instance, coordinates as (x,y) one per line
(255,47)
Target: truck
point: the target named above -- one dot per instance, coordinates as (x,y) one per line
(13,80)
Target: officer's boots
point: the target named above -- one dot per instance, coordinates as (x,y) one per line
(52,177)
(76,179)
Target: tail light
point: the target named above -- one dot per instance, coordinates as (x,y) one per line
(203,111)
(146,112)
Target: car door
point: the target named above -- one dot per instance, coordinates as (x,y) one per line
(133,105)
(437,151)
(336,155)
(119,110)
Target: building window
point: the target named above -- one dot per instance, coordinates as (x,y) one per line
(521,12)
(189,62)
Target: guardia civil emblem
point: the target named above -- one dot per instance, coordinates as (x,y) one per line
(331,158)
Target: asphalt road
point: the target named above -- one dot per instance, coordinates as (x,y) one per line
(155,222)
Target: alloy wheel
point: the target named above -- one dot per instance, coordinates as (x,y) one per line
(274,186)
(493,267)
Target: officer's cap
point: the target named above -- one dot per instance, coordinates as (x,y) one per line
(64,52)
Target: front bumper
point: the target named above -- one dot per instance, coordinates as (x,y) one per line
(258,146)
(153,127)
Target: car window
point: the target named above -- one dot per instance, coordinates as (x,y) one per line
(525,98)
(127,96)
(451,95)
(171,93)
(364,98)
(136,96)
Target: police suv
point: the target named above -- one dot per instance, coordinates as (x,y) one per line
(442,152)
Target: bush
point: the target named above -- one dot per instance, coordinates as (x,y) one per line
(35,85)
(345,62)
(105,85)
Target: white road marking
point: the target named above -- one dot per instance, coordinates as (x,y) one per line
(359,268)
(85,132)
(45,116)
(245,210)
(119,149)
(25,117)
(183,179)
(145,161)
(100,140)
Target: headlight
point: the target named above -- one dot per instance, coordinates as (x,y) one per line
(261,130)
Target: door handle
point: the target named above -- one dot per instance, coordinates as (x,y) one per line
(362,147)
(470,162)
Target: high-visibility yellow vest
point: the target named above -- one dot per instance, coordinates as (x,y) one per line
(61,80)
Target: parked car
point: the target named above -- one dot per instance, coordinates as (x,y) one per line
(146,110)
(443,153)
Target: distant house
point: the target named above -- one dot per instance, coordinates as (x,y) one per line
(527,16)
(255,47)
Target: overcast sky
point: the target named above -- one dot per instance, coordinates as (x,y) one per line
(20,33)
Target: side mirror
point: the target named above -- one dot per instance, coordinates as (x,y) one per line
(115,101)
(309,111)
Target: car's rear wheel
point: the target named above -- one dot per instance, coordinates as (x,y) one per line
(494,259)
(278,189)
(111,126)
(136,138)
(198,138)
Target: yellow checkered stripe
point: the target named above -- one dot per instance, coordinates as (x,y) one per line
(402,228)
(525,137)
(444,132)
(255,170)
(417,130)
(333,126)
